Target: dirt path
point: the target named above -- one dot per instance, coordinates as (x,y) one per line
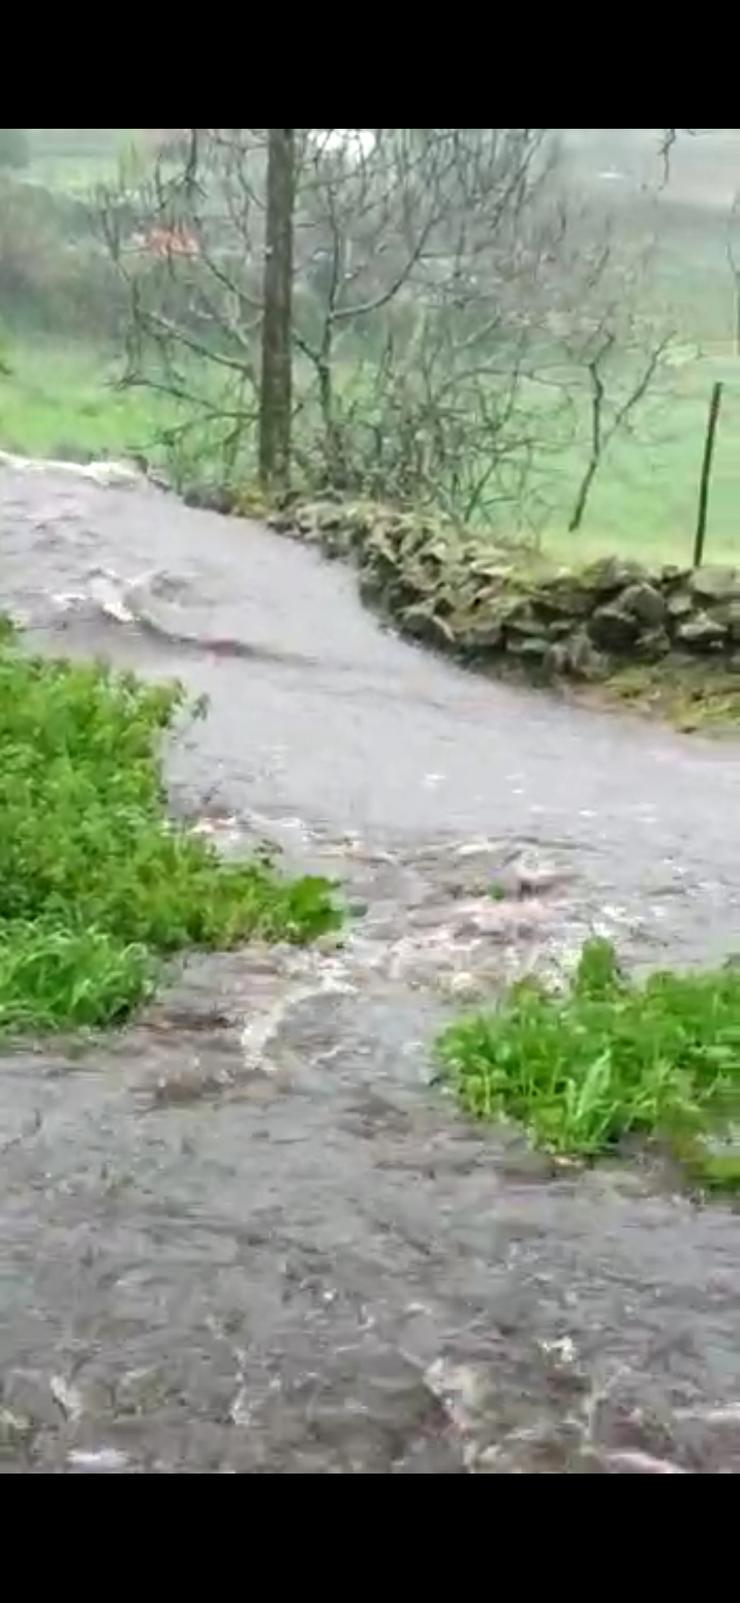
(247,1234)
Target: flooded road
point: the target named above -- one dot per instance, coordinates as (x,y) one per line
(248,1234)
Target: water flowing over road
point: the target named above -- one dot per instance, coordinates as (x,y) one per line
(247,1233)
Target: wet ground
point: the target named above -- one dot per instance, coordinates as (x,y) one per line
(248,1234)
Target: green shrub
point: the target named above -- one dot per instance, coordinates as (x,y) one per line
(54,274)
(95,882)
(583,1069)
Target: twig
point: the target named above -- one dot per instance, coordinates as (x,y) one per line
(706,473)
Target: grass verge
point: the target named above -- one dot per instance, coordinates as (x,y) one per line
(606,1059)
(696,697)
(96,884)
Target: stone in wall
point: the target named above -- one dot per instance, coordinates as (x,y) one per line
(462,595)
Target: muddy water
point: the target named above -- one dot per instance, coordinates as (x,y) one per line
(248,1234)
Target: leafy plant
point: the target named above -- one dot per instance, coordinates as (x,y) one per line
(585,1068)
(95,882)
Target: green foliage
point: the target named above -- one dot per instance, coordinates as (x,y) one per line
(14,148)
(52,977)
(94,880)
(608,1058)
(54,274)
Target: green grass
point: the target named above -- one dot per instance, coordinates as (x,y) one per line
(96,885)
(692,695)
(75,160)
(606,1059)
(643,502)
(645,496)
(77,175)
(61,400)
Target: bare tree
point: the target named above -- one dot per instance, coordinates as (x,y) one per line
(446,303)
(610,418)
(667,142)
(187,234)
(426,252)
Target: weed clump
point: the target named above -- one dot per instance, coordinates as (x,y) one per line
(608,1058)
(96,884)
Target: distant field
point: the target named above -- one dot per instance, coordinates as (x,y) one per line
(645,499)
(62,400)
(76,175)
(77,159)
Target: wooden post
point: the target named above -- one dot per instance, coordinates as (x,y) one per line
(706,473)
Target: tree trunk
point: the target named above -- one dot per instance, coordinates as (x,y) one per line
(275,390)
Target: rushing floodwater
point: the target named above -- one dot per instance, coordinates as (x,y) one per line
(247,1234)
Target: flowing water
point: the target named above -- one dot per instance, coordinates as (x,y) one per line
(249,1233)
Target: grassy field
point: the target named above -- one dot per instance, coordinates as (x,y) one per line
(75,160)
(62,400)
(73,175)
(644,499)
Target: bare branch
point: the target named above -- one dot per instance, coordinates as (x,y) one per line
(602,436)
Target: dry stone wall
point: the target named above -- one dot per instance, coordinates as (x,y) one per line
(484,604)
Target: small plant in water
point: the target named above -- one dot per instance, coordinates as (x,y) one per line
(608,1058)
(96,884)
